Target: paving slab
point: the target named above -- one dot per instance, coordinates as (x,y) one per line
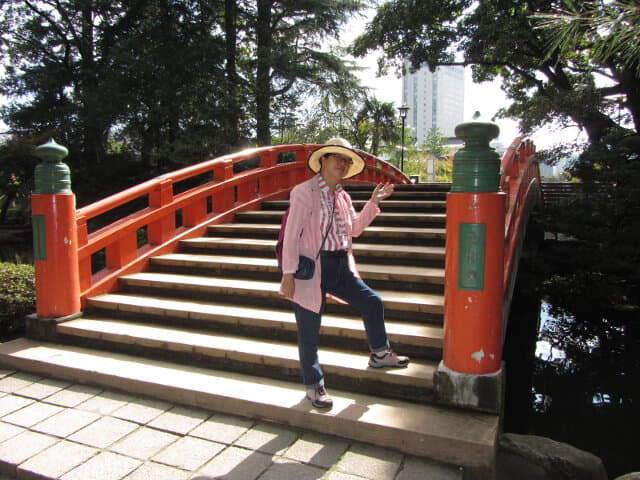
(32,414)
(156,471)
(66,422)
(106,403)
(8,431)
(370,462)
(55,461)
(20,448)
(144,443)
(268,438)
(179,420)
(344,476)
(317,449)
(235,464)
(17,381)
(222,428)
(284,469)
(9,403)
(419,469)
(142,410)
(104,466)
(104,432)
(43,388)
(188,453)
(73,396)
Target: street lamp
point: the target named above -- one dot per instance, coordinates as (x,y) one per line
(403,115)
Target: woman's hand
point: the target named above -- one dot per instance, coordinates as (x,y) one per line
(381,192)
(287,285)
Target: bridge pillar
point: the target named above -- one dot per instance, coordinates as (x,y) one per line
(53,208)
(470,373)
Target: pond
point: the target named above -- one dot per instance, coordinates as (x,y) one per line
(574,378)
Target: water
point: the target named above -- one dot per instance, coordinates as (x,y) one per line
(574,378)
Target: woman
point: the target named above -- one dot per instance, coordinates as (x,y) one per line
(322,220)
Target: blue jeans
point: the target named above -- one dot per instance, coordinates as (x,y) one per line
(340,282)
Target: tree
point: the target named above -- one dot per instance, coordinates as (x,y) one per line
(429,160)
(151,76)
(552,69)
(375,123)
(434,142)
(288,50)
(545,85)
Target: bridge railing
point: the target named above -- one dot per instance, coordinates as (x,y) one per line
(520,181)
(181,205)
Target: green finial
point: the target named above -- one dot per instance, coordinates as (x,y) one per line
(476,167)
(52,176)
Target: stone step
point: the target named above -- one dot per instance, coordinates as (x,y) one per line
(397,235)
(410,338)
(404,187)
(248,290)
(401,195)
(383,218)
(446,435)
(275,359)
(387,205)
(415,254)
(225,263)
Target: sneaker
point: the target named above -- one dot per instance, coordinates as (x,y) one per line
(387,359)
(319,397)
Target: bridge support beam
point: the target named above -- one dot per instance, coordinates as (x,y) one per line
(470,374)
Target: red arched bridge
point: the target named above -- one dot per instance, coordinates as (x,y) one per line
(177,298)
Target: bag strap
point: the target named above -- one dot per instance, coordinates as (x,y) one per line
(329,227)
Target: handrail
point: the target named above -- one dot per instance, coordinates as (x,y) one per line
(214,201)
(520,181)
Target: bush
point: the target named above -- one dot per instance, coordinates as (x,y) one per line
(17,298)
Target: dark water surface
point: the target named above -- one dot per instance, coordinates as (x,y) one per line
(574,378)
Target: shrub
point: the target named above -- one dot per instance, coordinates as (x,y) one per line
(17,298)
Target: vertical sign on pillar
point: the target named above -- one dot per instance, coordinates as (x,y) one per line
(53,208)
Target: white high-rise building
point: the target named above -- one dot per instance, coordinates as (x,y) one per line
(434,99)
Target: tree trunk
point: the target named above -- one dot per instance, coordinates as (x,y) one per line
(263,80)
(92,130)
(232,121)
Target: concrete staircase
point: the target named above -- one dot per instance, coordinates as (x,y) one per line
(206,327)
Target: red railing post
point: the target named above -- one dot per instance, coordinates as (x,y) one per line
(268,182)
(160,230)
(224,200)
(470,374)
(53,208)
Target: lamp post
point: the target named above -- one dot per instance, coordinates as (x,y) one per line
(403,115)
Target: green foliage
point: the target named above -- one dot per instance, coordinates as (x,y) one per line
(17,297)
(605,223)
(17,165)
(546,84)
(432,153)
(134,89)
(551,59)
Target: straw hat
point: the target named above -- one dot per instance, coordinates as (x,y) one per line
(341,147)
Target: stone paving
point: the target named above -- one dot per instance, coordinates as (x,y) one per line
(52,429)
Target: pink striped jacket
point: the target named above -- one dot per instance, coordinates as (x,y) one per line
(302,236)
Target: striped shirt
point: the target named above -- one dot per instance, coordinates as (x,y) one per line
(337,237)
